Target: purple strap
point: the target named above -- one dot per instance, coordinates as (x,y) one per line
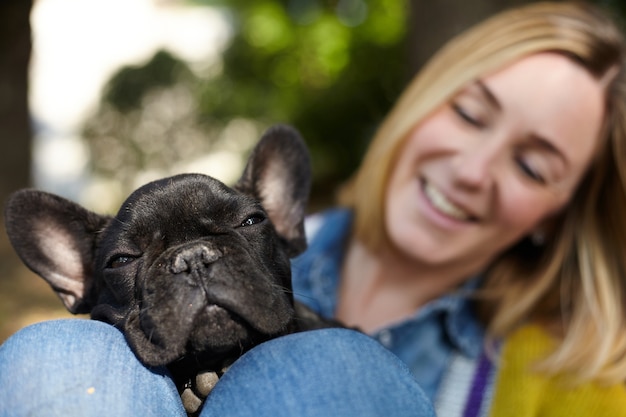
(479,384)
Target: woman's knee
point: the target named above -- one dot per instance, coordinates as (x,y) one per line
(84,366)
(323,372)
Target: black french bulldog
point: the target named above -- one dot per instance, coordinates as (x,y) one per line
(193,272)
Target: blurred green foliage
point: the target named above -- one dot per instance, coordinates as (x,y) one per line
(330,68)
(147,121)
(130,84)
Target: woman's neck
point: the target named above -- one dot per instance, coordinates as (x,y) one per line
(379,289)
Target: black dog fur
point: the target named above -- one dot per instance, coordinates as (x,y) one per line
(192,271)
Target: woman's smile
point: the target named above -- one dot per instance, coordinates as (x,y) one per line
(441,203)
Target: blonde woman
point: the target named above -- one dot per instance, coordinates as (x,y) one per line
(479,248)
(497,183)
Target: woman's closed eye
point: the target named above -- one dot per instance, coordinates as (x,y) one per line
(540,162)
(529,170)
(469,112)
(465,115)
(475,105)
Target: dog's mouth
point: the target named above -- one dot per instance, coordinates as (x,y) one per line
(217,316)
(267,315)
(159,338)
(217,328)
(214,309)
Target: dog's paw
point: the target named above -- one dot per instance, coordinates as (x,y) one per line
(205,381)
(197,389)
(191,401)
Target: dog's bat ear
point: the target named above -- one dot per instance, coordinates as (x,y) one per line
(278,174)
(55,238)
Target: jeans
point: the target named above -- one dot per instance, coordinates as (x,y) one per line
(85,368)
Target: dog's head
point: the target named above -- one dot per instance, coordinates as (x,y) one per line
(188,266)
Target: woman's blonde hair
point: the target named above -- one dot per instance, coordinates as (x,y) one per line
(577,281)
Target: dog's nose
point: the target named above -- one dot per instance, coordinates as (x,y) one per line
(191,258)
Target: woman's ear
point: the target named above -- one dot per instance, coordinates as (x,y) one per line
(544,231)
(538,237)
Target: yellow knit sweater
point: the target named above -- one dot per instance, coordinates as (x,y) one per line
(520,393)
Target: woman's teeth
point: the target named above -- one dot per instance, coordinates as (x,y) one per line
(443,204)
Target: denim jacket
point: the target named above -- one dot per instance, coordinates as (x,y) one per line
(426,342)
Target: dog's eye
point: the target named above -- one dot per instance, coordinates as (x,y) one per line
(120,261)
(254,219)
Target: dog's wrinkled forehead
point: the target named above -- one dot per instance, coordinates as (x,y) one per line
(185,201)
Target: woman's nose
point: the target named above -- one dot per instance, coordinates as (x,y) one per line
(475,167)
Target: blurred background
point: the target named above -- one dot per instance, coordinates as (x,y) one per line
(100,96)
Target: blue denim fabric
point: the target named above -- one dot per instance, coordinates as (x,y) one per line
(425,341)
(76,367)
(85,368)
(330,372)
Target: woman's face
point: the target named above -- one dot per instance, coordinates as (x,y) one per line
(486,168)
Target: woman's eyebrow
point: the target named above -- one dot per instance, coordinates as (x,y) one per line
(550,147)
(491,98)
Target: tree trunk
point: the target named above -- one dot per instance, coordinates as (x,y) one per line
(15,129)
